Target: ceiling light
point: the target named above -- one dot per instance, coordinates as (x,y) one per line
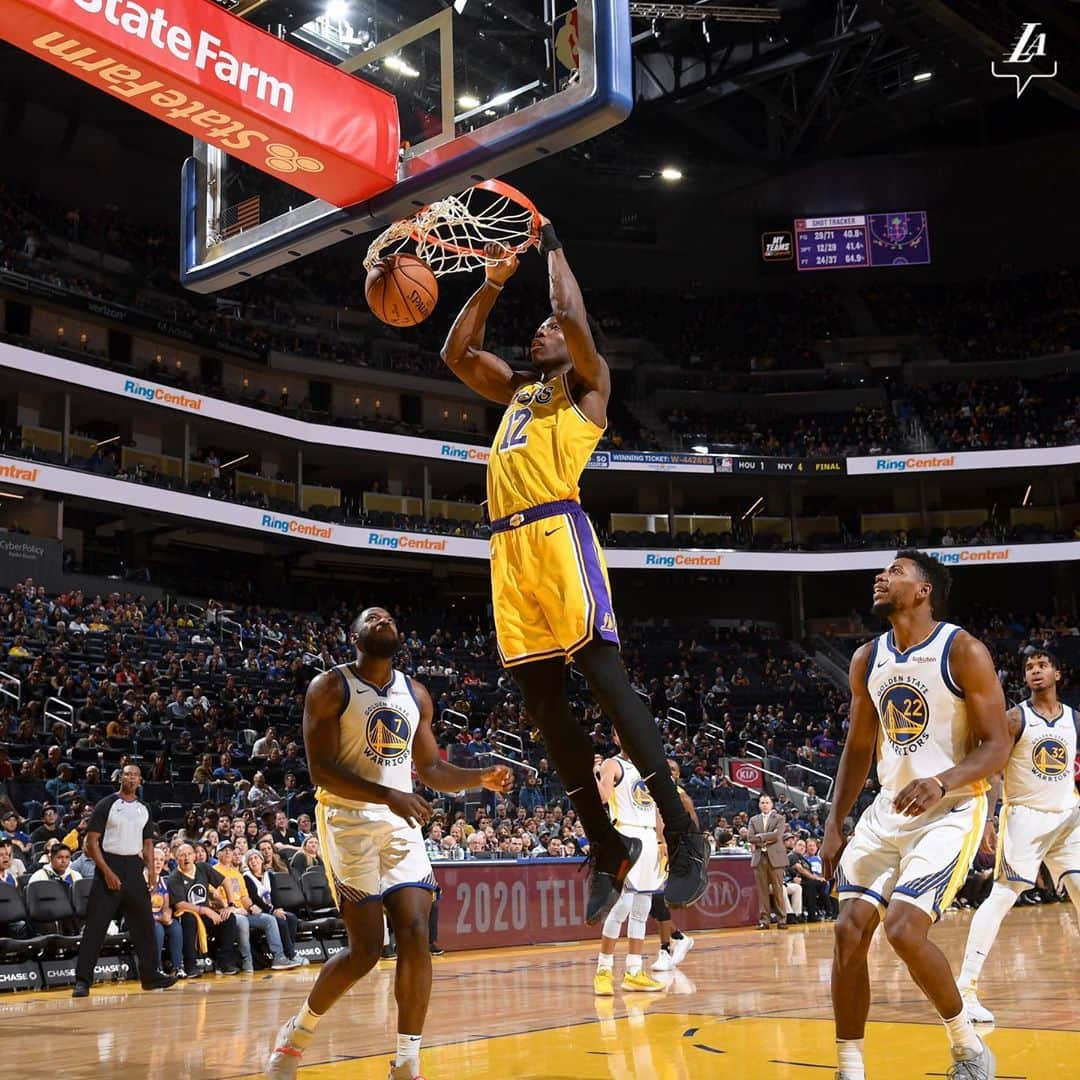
(468,101)
(670,173)
(395,63)
(502,99)
(459,5)
(923,76)
(700,449)
(337,9)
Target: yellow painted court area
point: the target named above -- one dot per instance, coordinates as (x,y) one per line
(746,1004)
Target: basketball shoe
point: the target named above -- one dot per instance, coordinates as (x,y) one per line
(680,947)
(642,983)
(403,1072)
(284,1057)
(688,868)
(664,961)
(980,1066)
(977,1013)
(603,982)
(606,876)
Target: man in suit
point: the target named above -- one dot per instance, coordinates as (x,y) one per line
(769,858)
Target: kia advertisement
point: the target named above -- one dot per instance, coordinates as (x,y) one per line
(746,773)
(486,905)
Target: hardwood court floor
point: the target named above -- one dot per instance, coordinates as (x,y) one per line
(747,1004)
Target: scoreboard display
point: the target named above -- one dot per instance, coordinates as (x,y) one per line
(854,241)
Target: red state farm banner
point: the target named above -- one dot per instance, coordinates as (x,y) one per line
(747,773)
(191,64)
(485,904)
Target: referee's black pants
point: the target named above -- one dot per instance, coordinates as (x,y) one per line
(101,909)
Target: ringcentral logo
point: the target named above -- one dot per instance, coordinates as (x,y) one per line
(162,396)
(972,555)
(461,453)
(297,528)
(903,464)
(405,543)
(14,472)
(202,50)
(669,562)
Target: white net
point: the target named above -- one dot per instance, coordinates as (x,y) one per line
(452,235)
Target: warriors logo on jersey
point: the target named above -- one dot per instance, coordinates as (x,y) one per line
(1049,758)
(388,735)
(640,796)
(904,714)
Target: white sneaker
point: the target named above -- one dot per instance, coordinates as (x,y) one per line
(977,1014)
(981,1066)
(284,1057)
(680,947)
(283,963)
(664,961)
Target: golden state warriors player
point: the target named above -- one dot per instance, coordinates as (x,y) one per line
(927,697)
(633,813)
(1040,818)
(548,580)
(365,726)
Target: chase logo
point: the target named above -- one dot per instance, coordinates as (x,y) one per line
(640,797)
(905,717)
(388,735)
(1049,758)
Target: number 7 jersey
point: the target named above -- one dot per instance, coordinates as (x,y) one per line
(543,443)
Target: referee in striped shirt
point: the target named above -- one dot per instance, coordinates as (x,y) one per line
(120,841)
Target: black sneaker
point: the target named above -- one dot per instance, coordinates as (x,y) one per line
(389,952)
(81,990)
(160,981)
(437,950)
(229,970)
(605,886)
(688,869)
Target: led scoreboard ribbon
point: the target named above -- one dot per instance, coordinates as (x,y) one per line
(858,241)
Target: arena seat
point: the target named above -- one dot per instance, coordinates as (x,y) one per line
(80,901)
(48,905)
(13,912)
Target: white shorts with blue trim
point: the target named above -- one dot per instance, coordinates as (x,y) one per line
(1028,838)
(647,875)
(922,861)
(370,855)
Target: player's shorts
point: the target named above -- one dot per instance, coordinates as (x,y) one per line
(922,861)
(370,856)
(647,875)
(549,584)
(1029,837)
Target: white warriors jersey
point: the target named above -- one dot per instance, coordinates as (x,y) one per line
(1039,773)
(631,804)
(377,727)
(924,724)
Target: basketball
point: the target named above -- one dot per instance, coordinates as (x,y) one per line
(401,290)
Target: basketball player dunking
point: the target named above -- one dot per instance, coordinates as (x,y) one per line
(927,696)
(1040,819)
(365,726)
(548,580)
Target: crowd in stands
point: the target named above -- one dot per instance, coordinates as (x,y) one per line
(760,333)
(985,320)
(863,431)
(992,414)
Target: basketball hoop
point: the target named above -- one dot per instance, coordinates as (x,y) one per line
(451,235)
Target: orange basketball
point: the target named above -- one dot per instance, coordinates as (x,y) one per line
(401,290)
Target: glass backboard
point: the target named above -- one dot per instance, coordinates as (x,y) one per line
(482,88)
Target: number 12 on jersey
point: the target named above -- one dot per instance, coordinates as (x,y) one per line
(514,435)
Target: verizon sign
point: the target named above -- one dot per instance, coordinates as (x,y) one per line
(192,65)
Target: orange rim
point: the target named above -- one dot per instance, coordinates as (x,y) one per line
(507,191)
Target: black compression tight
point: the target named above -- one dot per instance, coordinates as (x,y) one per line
(543,685)
(603,669)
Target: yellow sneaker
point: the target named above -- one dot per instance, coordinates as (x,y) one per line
(603,983)
(641,982)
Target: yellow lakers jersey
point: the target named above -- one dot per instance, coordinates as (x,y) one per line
(543,443)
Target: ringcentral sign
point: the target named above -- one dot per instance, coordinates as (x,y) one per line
(221,80)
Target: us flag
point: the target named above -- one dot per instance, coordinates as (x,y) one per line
(241,216)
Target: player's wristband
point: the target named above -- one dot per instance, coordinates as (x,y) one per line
(548,240)
(941,784)
(491,285)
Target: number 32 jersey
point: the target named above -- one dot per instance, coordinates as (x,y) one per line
(921,711)
(543,443)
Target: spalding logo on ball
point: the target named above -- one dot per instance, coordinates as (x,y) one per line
(401,290)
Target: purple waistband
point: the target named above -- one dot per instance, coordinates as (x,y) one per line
(534,513)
